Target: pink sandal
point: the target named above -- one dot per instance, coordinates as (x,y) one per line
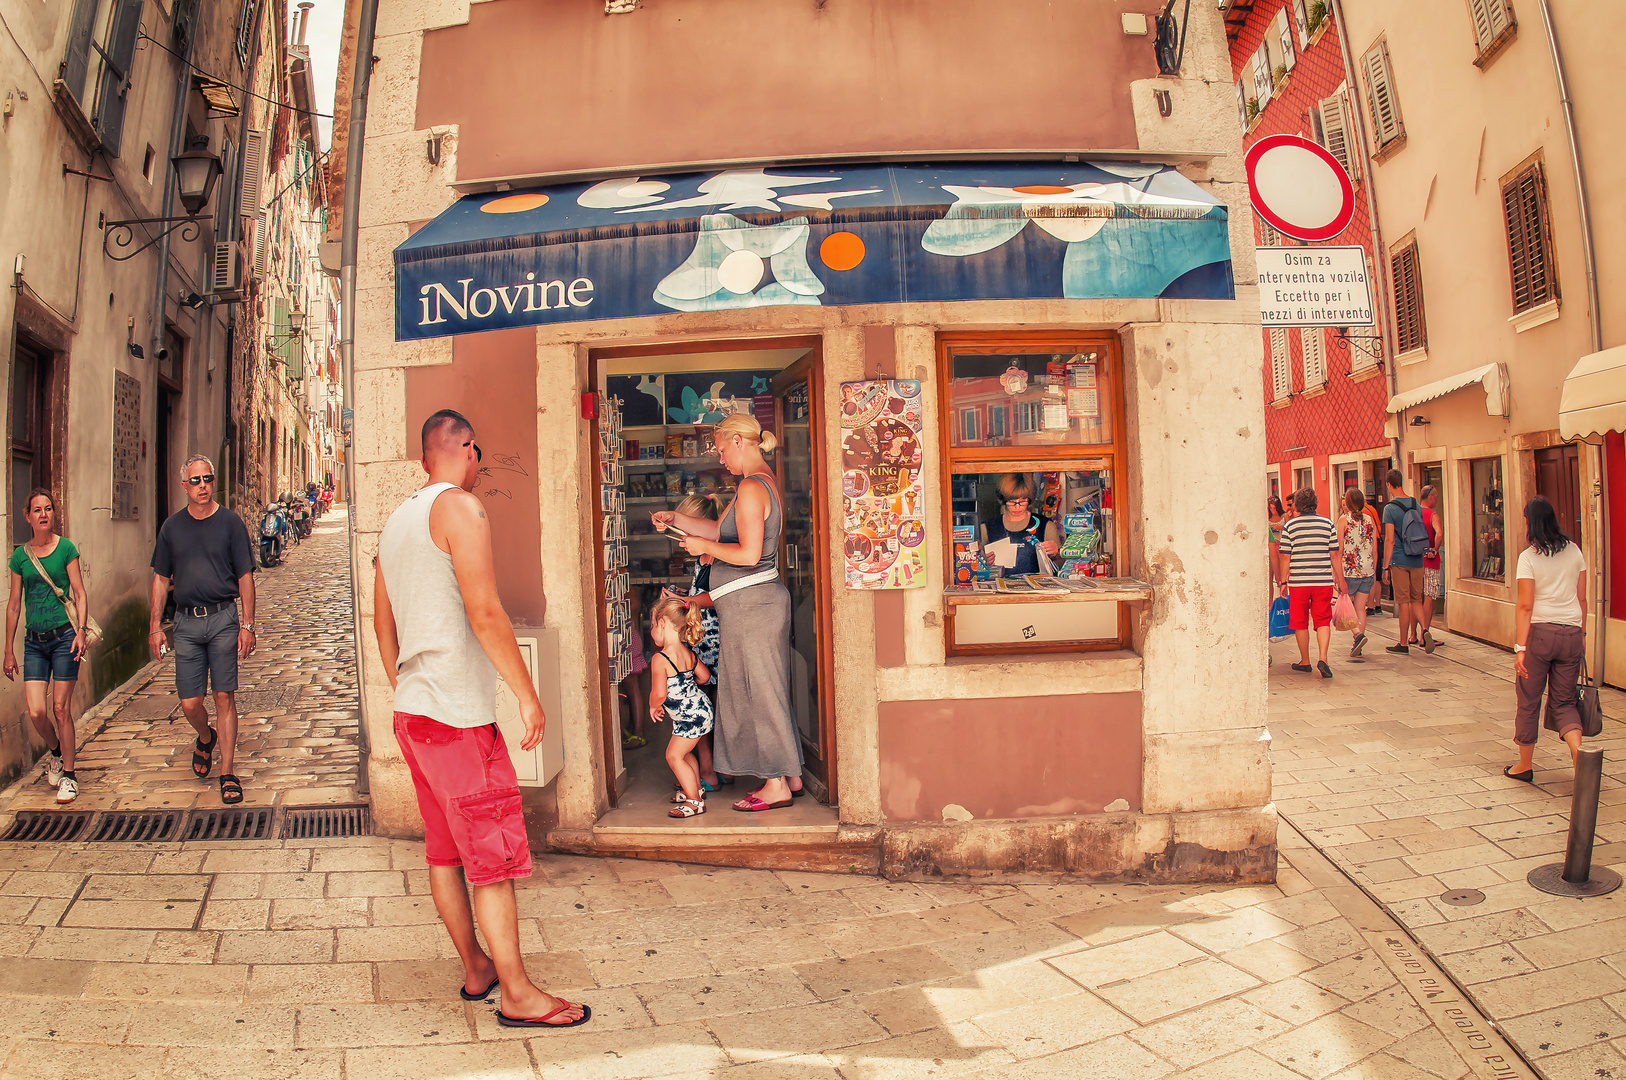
(752,804)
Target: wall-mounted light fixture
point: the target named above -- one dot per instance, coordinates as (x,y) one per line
(1418,421)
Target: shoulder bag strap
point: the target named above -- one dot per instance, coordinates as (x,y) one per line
(67,607)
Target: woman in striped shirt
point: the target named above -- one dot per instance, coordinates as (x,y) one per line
(1311,571)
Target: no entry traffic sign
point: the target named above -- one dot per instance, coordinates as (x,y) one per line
(1299,188)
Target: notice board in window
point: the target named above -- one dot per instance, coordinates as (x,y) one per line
(882,497)
(126,445)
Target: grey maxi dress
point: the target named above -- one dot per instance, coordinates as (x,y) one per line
(756,732)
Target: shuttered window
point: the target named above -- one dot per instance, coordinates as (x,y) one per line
(1283,34)
(1313,347)
(245,30)
(1281,376)
(1268,236)
(1336,134)
(1411,331)
(1491,18)
(1380,95)
(1301,15)
(1261,75)
(1242,104)
(253,172)
(1529,239)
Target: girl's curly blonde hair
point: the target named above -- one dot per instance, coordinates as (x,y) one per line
(682,614)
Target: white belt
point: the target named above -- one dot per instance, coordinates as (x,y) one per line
(761,577)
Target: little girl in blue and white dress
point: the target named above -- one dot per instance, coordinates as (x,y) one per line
(705,506)
(675,675)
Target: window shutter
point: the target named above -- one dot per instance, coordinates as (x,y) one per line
(1242,104)
(1315,357)
(1281,378)
(1261,75)
(260,245)
(76,60)
(1491,17)
(253,172)
(1336,134)
(1529,243)
(1380,94)
(1289,54)
(1301,15)
(224,188)
(1410,330)
(121,41)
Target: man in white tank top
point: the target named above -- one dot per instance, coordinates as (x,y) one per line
(444,638)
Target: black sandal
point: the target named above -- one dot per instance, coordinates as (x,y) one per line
(231,789)
(203,756)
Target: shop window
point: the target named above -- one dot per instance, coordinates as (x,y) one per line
(1411,331)
(1485,480)
(1063,455)
(1529,239)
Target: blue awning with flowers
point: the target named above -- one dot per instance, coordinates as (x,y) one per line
(868,234)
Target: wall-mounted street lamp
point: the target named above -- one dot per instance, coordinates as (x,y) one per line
(196,171)
(1418,421)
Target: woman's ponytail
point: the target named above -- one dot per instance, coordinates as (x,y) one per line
(770,442)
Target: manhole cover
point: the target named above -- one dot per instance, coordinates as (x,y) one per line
(136,826)
(354,820)
(1463,897)
(1550,879)
(48,826)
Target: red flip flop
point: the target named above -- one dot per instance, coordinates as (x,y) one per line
(751,804)
(542,1021)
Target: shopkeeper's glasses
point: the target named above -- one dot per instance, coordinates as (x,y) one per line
(477,454)
(1017,502)
(206,478)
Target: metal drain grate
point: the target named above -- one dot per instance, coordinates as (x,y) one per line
(48,826)
(136,826)
(239,824)
(325,821)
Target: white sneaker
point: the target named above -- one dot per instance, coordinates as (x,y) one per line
(53,769)
(68,790)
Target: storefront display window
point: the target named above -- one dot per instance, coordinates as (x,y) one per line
(1485,476)
(1031,499)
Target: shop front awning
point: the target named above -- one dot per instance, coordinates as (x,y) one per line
(1493,377)
(868,234)
(1593,401)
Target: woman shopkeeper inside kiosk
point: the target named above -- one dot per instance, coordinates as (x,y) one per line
(1012,541)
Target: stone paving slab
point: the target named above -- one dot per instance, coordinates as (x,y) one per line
(1394,769)
(325,959)
(298,706)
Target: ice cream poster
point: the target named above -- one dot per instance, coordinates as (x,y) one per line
(882,498)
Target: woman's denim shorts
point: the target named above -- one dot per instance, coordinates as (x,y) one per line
(51,658)
(1355,586)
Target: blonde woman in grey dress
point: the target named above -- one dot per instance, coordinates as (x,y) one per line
(756,732)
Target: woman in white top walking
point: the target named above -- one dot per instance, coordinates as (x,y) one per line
(1551,641)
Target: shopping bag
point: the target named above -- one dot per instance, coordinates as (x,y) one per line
(1278,619)
(1343,613)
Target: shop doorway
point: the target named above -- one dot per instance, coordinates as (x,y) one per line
(1558,477)
(658,405)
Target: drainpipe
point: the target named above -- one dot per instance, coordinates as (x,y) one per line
(1380,262)
(1594,322)
(355,140)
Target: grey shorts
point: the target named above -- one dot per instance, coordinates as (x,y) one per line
(206,653)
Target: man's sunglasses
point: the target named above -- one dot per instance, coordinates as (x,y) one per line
(206,478)
(477,454)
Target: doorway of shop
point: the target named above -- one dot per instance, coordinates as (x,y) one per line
(1558,477)
(652,436)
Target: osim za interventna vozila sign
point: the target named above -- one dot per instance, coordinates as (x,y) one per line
(1314,286)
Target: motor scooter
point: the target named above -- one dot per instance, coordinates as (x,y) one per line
(273,535)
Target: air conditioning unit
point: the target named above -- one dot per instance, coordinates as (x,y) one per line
(225,273)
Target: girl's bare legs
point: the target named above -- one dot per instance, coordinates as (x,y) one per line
(680,756)
(39,714)
(1359,600)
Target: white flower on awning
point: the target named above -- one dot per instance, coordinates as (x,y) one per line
(730,259)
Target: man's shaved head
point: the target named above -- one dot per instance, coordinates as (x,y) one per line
(444,430)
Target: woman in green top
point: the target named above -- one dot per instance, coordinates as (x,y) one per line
(54,642)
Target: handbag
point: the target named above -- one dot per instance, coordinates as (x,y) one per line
(1280,613)
(93,629)
(1587,704)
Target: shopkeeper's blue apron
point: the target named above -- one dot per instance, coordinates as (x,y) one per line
(1026,541)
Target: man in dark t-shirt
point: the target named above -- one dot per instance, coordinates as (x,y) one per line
(204,550)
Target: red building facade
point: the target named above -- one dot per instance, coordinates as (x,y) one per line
(1324,388)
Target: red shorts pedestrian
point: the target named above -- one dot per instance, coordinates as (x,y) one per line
(469,796)
(1309,602)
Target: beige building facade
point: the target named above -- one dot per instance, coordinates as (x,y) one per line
(1475,176)
(1130,743)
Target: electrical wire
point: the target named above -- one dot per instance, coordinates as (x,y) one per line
(232,86)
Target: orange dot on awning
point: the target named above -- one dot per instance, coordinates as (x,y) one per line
(842,250)
(1043,189)
(514,204)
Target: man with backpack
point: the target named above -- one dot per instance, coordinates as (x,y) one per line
(1406,542)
